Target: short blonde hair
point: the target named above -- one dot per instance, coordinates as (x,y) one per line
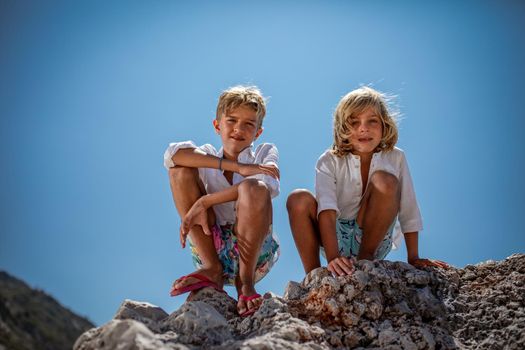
(351,105)
(240,95)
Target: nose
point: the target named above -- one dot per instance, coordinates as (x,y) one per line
(238,128)
(362,127)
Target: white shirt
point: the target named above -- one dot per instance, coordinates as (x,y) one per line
(338,186)
(214,180)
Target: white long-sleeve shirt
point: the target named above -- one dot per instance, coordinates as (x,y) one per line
(338,186)
(214,180)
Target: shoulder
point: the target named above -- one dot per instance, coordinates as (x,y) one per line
(266,147)
(396,158)
(328,159)
(208,149)
(395,154)
(328,155)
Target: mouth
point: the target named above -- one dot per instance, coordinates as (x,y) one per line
(236,138)
(365,139)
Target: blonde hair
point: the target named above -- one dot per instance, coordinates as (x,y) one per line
(240,95)
(356,102)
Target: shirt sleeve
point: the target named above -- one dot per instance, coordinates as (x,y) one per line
(409,214)
(269,155)
(325,184)
(172,149)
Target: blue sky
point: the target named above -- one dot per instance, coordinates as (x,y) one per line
(92,92)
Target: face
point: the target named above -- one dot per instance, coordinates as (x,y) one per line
(238,128)
(367,131)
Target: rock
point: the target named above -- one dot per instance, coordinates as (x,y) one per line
(31,319)
(199,323)
(293,291)
(121,334)
(382,305)
(145,313)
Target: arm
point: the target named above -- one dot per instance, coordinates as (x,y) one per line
(197,213)
(410,219)
(197,158)
(411,241)
(337,264)
(267,156)
(328,236)
(327,212)
(229,194)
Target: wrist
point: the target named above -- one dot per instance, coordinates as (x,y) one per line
(236,167)
(230,165)
(412,258)
(330,257)
(205,201)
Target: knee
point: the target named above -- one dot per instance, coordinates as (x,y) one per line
(301,201)
(253,192)
(385,182)
(181,175)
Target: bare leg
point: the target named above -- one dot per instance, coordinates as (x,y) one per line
(302,213)
(379,207)
(254,216)
(186,188)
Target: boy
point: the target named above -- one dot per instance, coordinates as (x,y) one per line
(224,200)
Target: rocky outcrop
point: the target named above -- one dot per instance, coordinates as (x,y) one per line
(31,319)
(383,305)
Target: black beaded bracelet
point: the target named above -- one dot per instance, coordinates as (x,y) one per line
(220,163)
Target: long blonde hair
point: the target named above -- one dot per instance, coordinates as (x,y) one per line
(351,105)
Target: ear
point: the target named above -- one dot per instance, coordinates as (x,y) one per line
(216,125)
(259,132)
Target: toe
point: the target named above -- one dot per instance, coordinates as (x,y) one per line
(241,307)
(255,303)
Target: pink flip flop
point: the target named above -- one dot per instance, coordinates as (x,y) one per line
(204,282)
(246,299)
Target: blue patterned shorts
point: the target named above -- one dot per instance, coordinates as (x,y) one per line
(349,236)
(225,243)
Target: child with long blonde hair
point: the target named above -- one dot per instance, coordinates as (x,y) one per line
(362,187)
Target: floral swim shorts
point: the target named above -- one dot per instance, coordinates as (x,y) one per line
(349,236)
(225,243)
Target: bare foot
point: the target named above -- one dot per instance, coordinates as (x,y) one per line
(249,300)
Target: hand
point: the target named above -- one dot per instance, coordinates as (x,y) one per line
(341,266)
(196,216)
(254,169)
(428,262)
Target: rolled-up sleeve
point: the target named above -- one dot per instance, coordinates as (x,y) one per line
(172,149)
(269,156)
(409,214)
(325,184)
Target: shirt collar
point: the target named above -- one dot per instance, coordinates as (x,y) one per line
(375,155)
(246,155)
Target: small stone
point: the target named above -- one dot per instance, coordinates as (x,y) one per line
(387,337)
(293,291)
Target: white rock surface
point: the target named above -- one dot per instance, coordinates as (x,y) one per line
(383,305)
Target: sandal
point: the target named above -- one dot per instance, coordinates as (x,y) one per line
(203,283)
(246,299)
